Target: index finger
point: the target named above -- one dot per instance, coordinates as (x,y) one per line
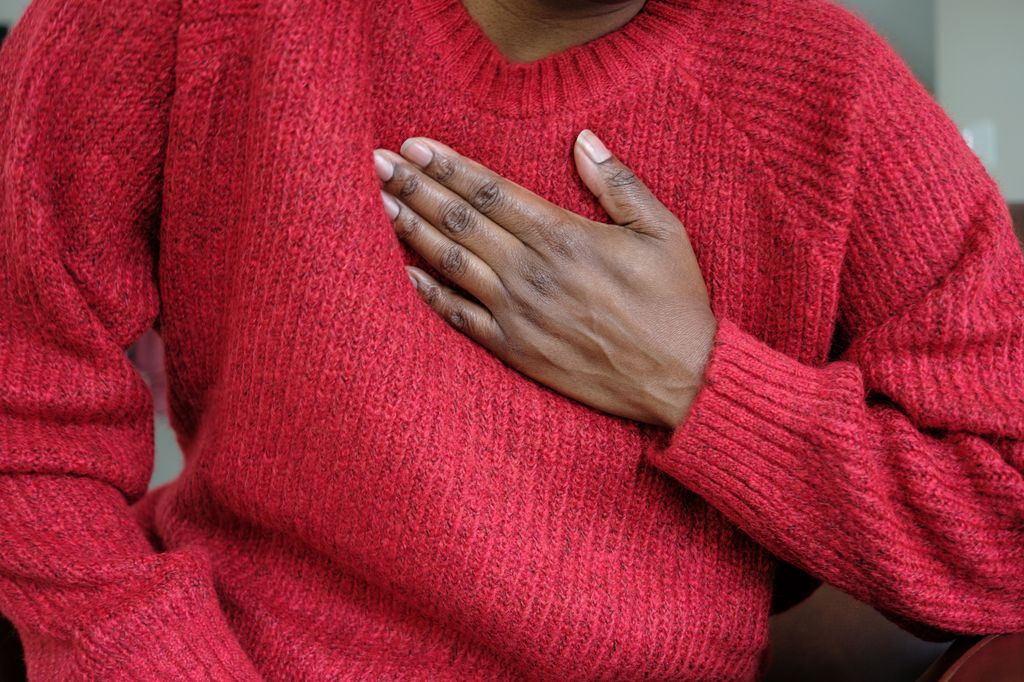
(528,216)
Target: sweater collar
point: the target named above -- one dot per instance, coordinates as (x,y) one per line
(472,65)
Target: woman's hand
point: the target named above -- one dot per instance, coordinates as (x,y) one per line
(615,316)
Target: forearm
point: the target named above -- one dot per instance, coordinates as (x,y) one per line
(854,493)
(86,93)
(81,582)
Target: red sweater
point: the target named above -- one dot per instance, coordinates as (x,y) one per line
(368,494)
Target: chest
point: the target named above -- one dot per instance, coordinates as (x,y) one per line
(315,393)
(308,324)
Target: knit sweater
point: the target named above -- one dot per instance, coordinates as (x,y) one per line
(367,493)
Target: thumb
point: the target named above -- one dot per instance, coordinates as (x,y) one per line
(623,196)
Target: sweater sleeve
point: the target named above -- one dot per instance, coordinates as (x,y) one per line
(85,93)
(894,470)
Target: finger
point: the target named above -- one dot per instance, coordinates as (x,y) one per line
(444,209)
(623,196)
(531,218)
(471,319)
(448,257)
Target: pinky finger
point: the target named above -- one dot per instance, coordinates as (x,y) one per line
(470,318)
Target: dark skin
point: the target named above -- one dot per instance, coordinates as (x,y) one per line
(527,30)
(614,315)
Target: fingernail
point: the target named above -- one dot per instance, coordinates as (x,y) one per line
(417,152)
(390,205)
(385,169)
(593,147)
(412,277)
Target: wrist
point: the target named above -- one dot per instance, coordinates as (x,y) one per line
(689,376)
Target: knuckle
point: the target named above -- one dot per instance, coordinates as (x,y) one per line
(456,217)
(563,244)
(621,177)
(432,294)
(459,319)
(526,309)
(407,225)
(549,224)
(441,168)
(557,239)
(408,184)
(487,197)
(453,261)
(539,279)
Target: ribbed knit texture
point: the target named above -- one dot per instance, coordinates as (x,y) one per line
(368,494)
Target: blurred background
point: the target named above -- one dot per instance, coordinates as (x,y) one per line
(970,55)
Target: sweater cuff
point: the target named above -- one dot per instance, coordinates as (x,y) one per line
(749,429)
(171,628)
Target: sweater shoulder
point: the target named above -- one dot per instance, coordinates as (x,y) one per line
(789,75)
(788,57)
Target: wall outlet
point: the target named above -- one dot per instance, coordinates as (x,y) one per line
(981,137)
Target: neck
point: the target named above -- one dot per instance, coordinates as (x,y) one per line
(528,30)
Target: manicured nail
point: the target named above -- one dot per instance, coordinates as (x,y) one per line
(385,169)
(390,205)
(417,152)
(593,147)
(412,277)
